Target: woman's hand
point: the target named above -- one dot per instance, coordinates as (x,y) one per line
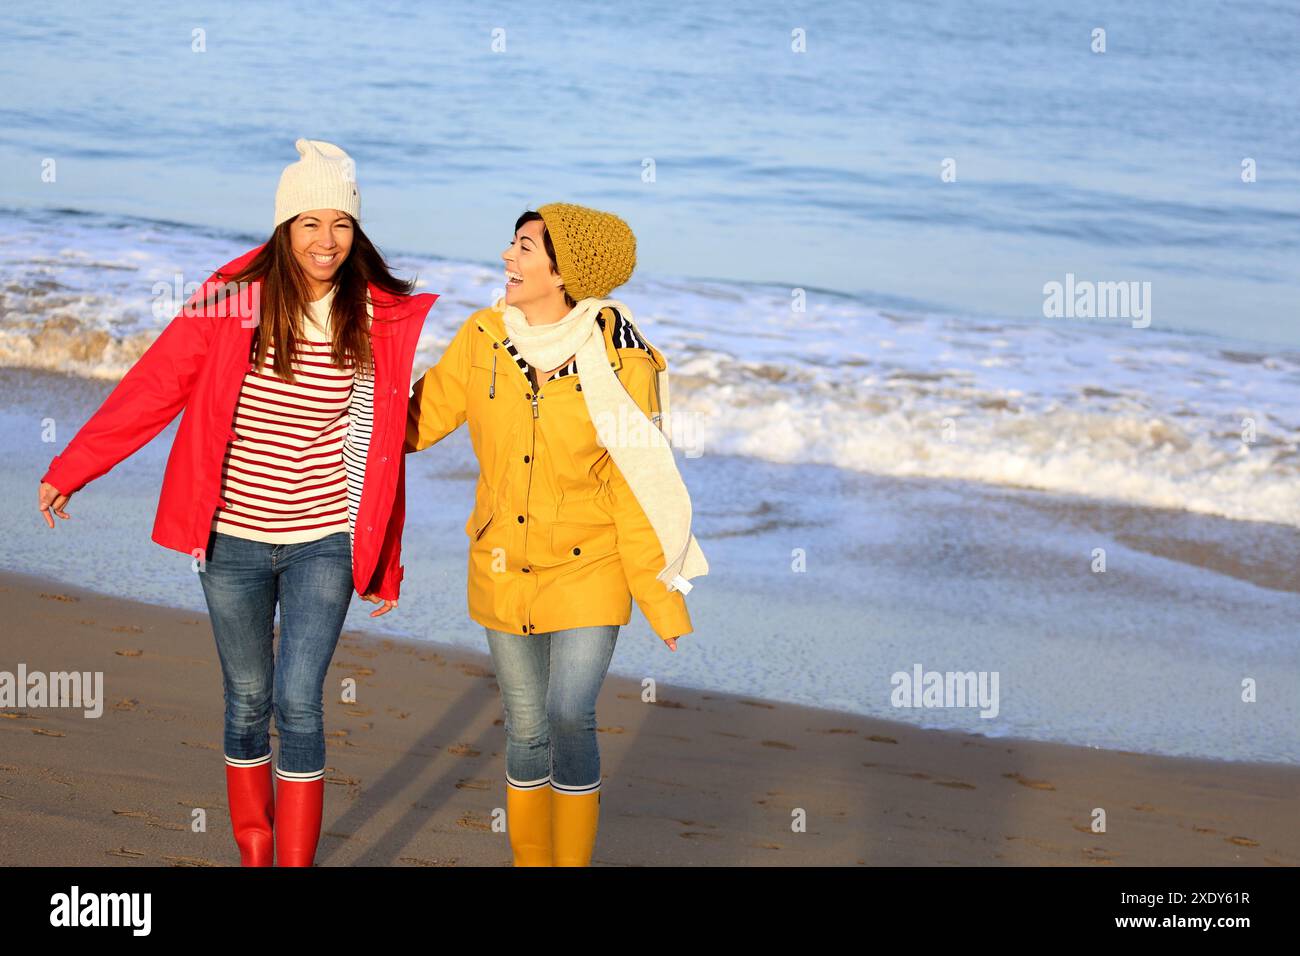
(51,499)
(376,599)
(671,642)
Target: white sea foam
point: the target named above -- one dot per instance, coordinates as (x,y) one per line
(1101,410)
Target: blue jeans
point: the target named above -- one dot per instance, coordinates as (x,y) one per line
(242,581)
(549,684)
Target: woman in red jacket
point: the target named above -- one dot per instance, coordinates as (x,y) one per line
(286,480)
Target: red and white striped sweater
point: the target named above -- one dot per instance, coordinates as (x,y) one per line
(286,477)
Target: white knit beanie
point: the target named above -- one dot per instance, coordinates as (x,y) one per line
(324,178)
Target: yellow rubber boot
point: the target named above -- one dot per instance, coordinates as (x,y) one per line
(528,821)
(574,816)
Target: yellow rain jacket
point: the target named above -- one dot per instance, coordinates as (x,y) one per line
(556,538)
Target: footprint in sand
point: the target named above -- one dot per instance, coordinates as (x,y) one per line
(361,670)
(60,597)
(695,835)
(129,652)
(759,703)
(471,821)
(124,852)
(1040,844)
(474,670)
(1026,782)
(188,861)
(610,730)
(830,730)
(462,750)
(1240,841)
(419,861)
(881,739)
(149,818)
(779,745)
(48,733)
(955,784)
(472,783)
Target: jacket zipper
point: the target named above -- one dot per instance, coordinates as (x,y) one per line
(492,388)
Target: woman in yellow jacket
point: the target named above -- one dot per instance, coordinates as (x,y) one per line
(579,506)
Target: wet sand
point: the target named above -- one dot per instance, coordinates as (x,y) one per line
(416,769)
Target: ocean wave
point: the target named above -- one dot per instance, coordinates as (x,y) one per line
(1162,419)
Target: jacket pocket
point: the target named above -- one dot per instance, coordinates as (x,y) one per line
(479,521)
(570,540)
(487,376)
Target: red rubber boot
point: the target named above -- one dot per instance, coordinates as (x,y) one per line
(252,810)
(298,814)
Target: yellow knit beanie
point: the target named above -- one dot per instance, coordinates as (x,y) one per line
(595,251)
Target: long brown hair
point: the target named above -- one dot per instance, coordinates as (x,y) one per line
(285,294)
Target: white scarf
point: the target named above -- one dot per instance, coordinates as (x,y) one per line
(644,456)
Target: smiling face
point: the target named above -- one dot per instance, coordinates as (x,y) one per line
(321,240)
(530,277)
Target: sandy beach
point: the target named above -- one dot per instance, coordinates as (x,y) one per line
(416,769)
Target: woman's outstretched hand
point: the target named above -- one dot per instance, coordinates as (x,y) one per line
(51,499)
(671,642)
(376,599)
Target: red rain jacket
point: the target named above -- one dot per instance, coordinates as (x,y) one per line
(198,364)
